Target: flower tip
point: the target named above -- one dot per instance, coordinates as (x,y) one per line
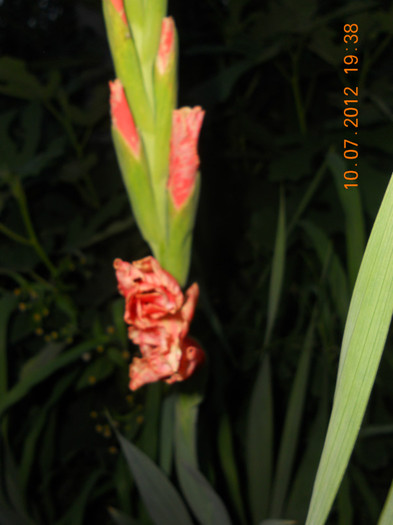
(166,46)
(184,160)
(122,117)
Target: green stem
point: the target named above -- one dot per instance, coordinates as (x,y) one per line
(22,201)
(294,79)
(14,236)
(66,125)
(298,103)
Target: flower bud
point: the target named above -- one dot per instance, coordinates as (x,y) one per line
(166,48)
(184,160)
(122,117)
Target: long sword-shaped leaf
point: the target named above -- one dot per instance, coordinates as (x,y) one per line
(354,223)
(259,442)
(203,500)
(277,270)
(293,419)
(7,305)
(386,517)
(160,497)
(364,338)
(22,387)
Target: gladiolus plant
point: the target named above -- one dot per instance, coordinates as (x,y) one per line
(156,144)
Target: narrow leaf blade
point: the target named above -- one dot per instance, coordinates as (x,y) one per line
(364,338)
(160,497)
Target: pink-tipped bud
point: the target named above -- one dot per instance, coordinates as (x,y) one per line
(122,118)
(166,47)
(119,6)
(184,160)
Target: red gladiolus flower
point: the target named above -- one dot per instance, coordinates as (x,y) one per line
(159,316)
(122,117)
(155,365)
(184,160)
(166,47)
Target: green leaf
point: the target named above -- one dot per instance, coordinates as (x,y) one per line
(128,67)
(336,275)
(344,504)
(9,517)
(203,500)
(277,274)
(354,221)
(259,442)
(43,358)
(162,501)
(175,255)
(301,489)
(99,369)
(24,386)
(7,306)
(228,464)
(167,433)
(31,121)
(149,437)
(34,165)
(293,418)
(140,193)
(8,149)
(386,517)
(16,81)
(41,419)
(364,338)
(77,511)
(120,518)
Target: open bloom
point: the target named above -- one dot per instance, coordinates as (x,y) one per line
(184,160)
(155,365)
(159,316)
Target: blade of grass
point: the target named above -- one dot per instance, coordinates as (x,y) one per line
(259,443)
(336,276)
(7,305)
(228,464)
(344,504)
(40,421)
(166,434)
(308,196)
(162,501)
(290,436)
(23,387)
(77,510)
(386,517)
(354,222)
(277,270)
(120,518)
(301,489)
(364,338)
(148,440)
(367,495)
(9,517)
(203,500)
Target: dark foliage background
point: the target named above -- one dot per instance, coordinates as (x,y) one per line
(270,76)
